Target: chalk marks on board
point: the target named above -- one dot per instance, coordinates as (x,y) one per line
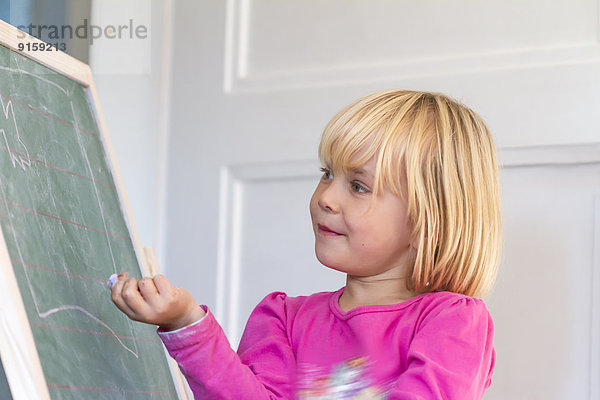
(91,172)
(19,156)
(92,316)
(23,72)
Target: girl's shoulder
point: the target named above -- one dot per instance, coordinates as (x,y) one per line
(447,298)
(451,305)
(281,304)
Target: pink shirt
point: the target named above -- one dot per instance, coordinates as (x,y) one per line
(432,346)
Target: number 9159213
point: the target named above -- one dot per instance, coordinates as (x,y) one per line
(42,46)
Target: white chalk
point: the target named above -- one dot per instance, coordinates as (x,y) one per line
(111,281)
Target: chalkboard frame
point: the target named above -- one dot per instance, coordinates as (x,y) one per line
(18,352)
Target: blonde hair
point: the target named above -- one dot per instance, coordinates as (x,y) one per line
(440,157)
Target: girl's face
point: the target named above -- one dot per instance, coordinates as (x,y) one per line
(356,232)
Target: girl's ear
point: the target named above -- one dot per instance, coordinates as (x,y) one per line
(414,244)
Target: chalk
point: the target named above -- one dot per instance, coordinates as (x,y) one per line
(111,281)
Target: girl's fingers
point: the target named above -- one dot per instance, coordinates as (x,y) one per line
(148,291)
(163,285)
(115,292)
(150,300)
(133,299)
(117,298)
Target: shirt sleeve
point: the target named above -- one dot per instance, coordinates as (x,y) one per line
(451,356)
(263,367)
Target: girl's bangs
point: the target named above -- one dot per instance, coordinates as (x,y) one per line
(346,150)
(353,138)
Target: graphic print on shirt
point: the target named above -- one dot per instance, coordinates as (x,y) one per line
(349,379)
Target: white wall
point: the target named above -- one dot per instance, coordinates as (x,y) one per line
(133,93)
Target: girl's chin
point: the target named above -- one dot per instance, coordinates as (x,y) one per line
(331,264)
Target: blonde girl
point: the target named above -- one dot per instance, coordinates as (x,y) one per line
(408,207)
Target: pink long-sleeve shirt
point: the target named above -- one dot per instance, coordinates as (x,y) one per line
(432,346)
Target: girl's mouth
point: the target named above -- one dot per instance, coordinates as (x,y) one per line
(324,230)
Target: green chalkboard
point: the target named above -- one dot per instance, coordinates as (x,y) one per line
(66,233)
(4,389)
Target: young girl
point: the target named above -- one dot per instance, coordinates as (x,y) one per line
(409,208)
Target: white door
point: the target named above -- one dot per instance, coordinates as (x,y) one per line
(255,81)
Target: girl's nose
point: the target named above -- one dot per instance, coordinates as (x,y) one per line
(328,199)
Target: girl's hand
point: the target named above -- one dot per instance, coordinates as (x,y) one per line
(155,301)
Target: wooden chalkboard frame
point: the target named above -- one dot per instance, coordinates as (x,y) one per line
(18,352)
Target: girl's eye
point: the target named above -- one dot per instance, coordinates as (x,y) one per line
(326,174)
(358,188)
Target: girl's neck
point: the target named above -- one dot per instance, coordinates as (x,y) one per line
(367,291)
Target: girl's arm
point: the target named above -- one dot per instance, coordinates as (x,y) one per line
(451,356)
(265,366)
